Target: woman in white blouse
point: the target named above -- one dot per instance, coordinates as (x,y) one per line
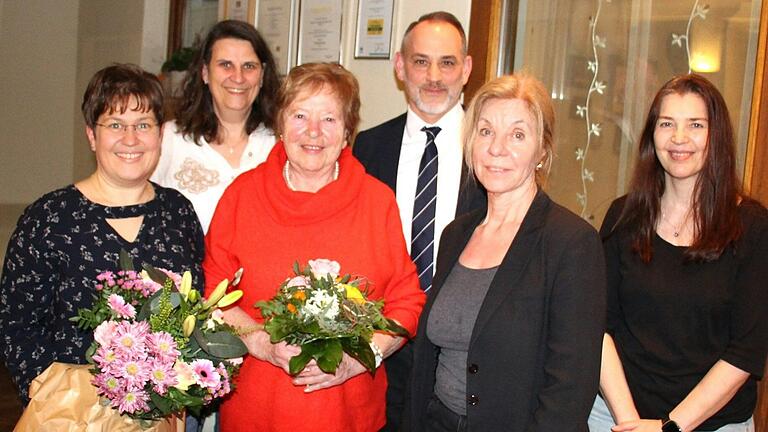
(224,120)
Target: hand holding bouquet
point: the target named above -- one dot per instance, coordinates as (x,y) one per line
(326,315)
(159,346)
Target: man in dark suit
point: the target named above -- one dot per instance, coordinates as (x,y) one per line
(419,150)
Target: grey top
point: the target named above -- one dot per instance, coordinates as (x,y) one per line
(450,325)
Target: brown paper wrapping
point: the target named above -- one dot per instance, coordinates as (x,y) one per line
(64,400)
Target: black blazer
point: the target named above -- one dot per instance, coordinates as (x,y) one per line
(534,355)
(378,149)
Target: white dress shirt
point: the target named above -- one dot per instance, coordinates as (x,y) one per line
(449,157)
(200,173)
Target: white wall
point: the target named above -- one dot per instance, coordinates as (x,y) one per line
(379,93)
(50,49)
(38,42)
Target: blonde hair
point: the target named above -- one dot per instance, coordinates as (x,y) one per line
(532,92)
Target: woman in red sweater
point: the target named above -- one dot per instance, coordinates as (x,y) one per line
(310,199)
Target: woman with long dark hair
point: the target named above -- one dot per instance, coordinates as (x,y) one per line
(225,118)
(687,259)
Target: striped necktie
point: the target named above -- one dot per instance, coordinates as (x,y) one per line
(423,223)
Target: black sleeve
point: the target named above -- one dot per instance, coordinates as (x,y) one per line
(748,344)
(573,346)
(612,252)
(26,301)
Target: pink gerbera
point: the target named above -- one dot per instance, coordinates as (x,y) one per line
(162,345)
(120,308)
(205,373)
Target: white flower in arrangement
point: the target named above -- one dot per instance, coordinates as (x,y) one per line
(322,304)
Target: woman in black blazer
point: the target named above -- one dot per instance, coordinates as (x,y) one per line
(510,337)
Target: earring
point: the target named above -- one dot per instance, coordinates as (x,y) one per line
(539,165)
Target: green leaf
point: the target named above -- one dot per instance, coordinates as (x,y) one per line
(396,328)
(162,404)
(126,262)
(360,350)
(222,344)
(329,357)
(296,269)
(155,274)
(297,363)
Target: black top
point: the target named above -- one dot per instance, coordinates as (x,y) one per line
(533,362)
(672,320)
(61,242)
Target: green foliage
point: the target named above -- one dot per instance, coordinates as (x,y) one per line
(326,317)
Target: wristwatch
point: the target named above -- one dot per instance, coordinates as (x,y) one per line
(668,425)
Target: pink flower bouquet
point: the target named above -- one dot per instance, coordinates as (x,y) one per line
(159,347)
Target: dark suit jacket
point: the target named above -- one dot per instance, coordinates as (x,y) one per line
(534,356)
(378,149)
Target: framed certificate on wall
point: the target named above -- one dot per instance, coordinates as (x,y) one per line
(320,31)
(373,38)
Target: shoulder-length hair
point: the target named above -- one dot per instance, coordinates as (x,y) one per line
(112,88)
(316,77)
(717,190)
(532,92)
(195,116)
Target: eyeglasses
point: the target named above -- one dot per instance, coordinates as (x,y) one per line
(142,128)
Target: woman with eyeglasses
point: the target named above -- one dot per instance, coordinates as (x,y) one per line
(68,236)
(224,120)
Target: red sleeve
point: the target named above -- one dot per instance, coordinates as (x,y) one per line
(219,264)
(403,297)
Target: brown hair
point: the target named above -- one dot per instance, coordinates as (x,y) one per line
(315,77)
(195,116)
(111,89)
(717,190)
(531,91)
(438,16)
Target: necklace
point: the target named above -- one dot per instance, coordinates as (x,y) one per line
(676,229)
(287,176)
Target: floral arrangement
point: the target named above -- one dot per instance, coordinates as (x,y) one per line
(326,315)
(159,347)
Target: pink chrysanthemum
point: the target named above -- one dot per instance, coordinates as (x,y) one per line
(162,376)
(107,385)
(120,308)
(132,401)
(205,374)
(162,346)
(105,358)
(298,281)
(130,337)
(134,372)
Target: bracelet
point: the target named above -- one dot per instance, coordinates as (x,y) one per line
(246,330)
(377,354)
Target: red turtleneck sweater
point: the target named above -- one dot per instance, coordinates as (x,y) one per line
(264,227)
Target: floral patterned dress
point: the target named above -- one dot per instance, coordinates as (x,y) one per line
(61,242)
